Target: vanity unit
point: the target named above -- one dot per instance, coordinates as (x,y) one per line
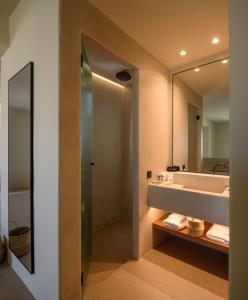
(198,195)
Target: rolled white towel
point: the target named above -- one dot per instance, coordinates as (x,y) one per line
(175,221)
(219,233)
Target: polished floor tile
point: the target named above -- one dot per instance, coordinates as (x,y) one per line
(177,270)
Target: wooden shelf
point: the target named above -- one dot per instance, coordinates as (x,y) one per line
(183,233)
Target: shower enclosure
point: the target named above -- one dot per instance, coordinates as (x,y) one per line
(106,140)
(86,163)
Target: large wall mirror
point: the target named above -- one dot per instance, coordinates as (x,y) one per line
(201,118)
(20,151)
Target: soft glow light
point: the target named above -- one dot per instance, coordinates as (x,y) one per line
(107,80)
(215,41)
(197,69)
(183,53)
(225,61)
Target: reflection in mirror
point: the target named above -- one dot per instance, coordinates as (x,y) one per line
(201,118)
(20,187)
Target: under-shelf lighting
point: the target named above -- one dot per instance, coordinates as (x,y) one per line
(107,80)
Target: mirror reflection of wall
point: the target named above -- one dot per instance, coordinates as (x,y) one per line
(187,105)
(201,118)
(19,150)
(20,169)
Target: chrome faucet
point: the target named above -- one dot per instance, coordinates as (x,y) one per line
(225,165)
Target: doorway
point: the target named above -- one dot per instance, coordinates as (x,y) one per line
(107,154)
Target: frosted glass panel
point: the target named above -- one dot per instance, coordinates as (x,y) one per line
(86,164)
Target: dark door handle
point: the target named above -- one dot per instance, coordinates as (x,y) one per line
(92,164)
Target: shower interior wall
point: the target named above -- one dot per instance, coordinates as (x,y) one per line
(111,153)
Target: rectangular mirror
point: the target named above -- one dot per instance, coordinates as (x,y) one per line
(20,170)
(201,118)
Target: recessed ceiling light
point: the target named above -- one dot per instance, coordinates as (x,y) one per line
(183,53)
(215,40)
(225,61)
(197,69)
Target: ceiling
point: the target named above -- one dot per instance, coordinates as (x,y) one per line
(101,61)
(211,80)
(212,83)
(7,6)
(165,27)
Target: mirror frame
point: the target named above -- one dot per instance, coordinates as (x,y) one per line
(172,103)
(31,93)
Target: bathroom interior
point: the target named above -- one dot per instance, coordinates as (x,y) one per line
(191,192)
(150,118)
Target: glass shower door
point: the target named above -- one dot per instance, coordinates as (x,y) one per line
(86,164)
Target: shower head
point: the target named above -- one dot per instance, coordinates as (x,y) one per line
(123,75)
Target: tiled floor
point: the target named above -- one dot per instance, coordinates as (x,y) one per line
(11,286)
(111,249)
(178,270)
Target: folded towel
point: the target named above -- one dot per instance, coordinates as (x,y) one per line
(175,221)
(176,226)
(219,233)
(177,217)
(218,240)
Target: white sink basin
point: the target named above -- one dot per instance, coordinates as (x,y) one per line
(202,182)
(198,195)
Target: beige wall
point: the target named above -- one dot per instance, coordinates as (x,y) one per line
(30,40)
(239,150)
(152,111)
(111,194)
(217,139)
(221,147)
(209,138)
(4,33)
(182,94)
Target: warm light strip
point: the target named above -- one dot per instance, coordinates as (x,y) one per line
(107,80)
